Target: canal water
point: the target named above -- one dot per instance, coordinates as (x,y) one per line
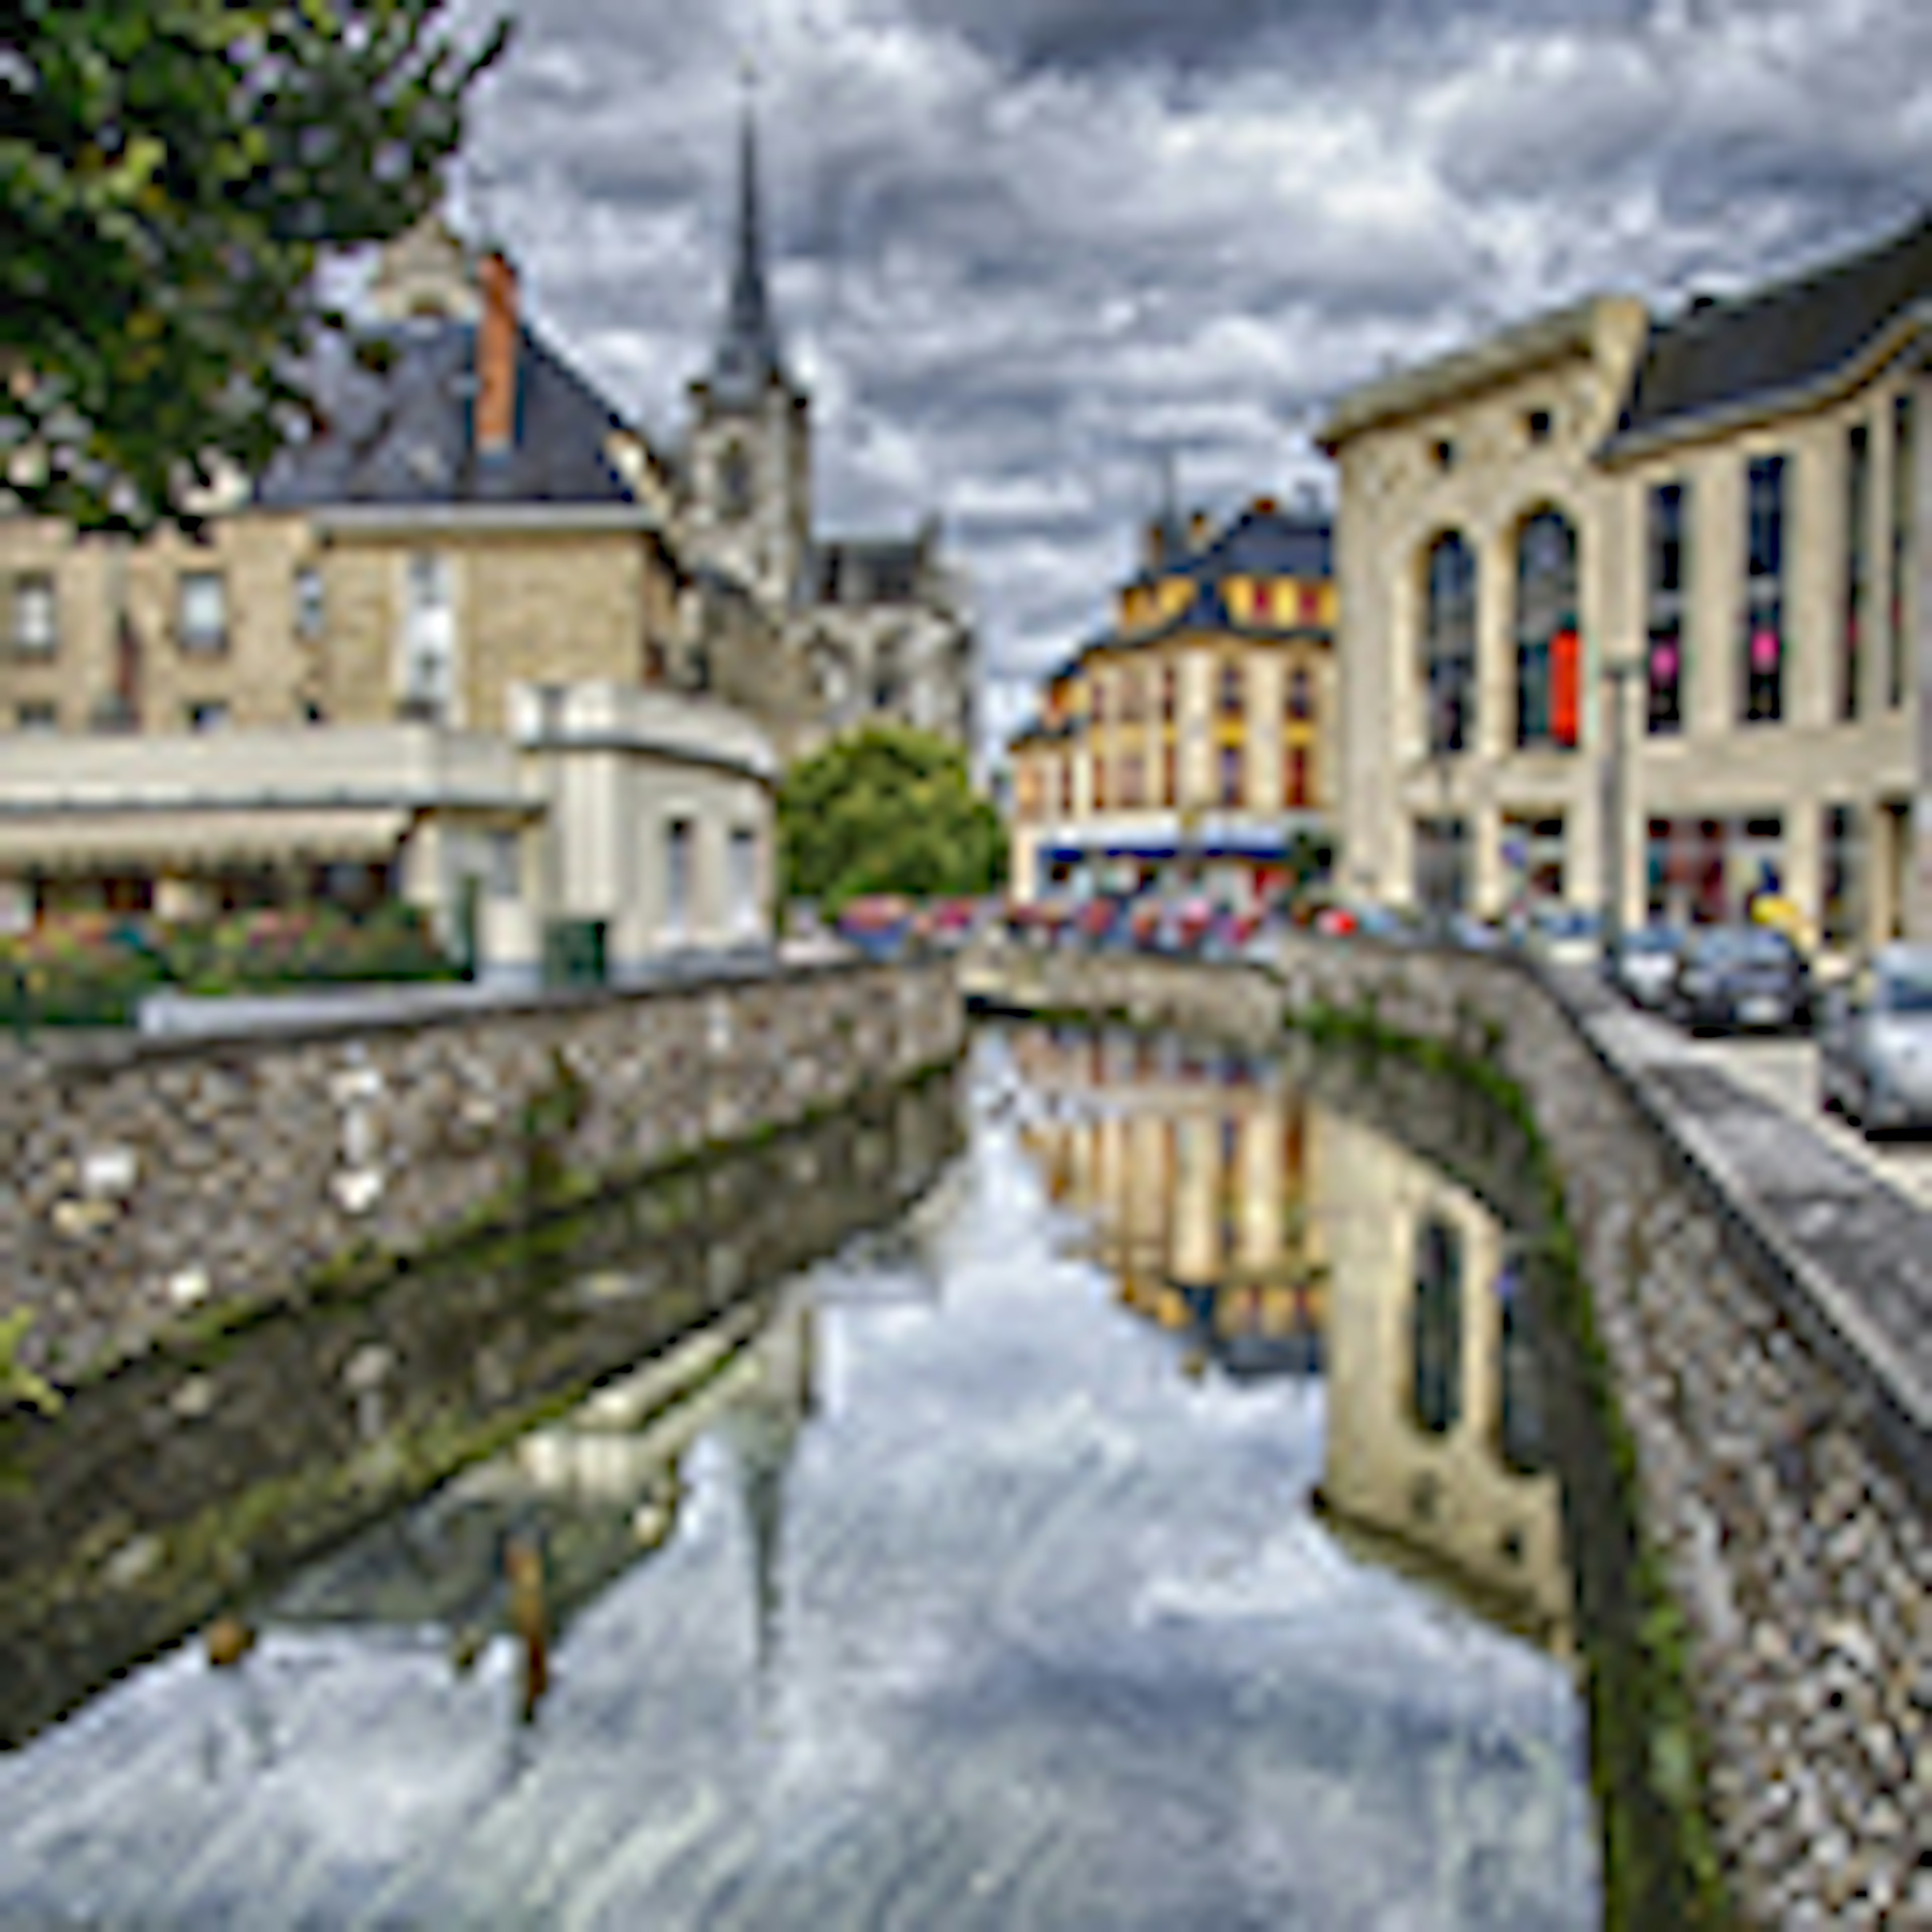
(1106,1490)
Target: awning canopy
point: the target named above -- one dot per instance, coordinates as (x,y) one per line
(192,839)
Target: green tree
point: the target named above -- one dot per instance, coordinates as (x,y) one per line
(887,809)
(170,171)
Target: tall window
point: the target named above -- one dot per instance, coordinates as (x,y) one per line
(734,483)
(36,627)
(1230,695)
(1231,774)
(1839,895)
(1100,782)
(1435,1332)
(1170,775)
(1294,777)
(1449,645)
(1519,1381)
(1300,705)
(1547,680)
(1903,497)
(1668,590)
(742,860)
(429,636)
(309,609)
(1167,694)
(202,612)
(677,878)
(1763,666)
(1858,512)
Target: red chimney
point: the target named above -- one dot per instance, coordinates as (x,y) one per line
(497,357)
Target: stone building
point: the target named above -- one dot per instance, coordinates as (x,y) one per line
(1195,737)
(1719,515)
(348,684)
(868,626)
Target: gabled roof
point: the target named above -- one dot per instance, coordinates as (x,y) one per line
(1769,348)
(399,429)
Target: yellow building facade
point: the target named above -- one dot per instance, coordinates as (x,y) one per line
(1193,738)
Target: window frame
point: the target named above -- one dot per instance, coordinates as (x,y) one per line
(27,582)
(1857,567)
(1667,533)
(1450,613)
(1547,609)
(1767,544)
(193,639)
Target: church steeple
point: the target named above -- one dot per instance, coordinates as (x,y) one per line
(748,358)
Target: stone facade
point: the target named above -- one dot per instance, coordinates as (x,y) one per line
(1765,1305)
(1642,435)
(151,1179)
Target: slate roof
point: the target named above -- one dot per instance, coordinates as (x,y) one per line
(1782,339)
(1267,543)
(403,434)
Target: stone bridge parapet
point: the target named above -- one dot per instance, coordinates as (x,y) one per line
(153,1180)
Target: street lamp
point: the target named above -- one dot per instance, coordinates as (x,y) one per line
(1616,675)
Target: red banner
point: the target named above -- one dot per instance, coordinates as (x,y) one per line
(1563,687)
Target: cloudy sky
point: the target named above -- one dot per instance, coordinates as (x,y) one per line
(1021,247)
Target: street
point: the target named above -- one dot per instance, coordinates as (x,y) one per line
(1785,1071)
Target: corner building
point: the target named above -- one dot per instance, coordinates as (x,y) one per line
(1719,515)
(1190,742)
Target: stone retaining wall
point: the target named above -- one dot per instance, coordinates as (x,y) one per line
(1766,1307)
(150,1179)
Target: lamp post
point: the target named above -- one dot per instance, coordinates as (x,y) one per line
(1616,675)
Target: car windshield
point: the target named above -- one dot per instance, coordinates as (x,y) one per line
(1653,939)
(1563,925)
(1757,945)
(1906,989)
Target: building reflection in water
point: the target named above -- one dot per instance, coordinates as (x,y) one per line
(1274,1238)
(519,1546)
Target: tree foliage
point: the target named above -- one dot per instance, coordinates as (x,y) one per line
(170,171)
(887,809)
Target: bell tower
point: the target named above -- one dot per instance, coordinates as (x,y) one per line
(750,455)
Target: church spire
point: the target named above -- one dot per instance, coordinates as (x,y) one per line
(748,356)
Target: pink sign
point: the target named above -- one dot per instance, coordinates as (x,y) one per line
(1764,651)
(1663,661)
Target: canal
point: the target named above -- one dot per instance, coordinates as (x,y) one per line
(1105,1488)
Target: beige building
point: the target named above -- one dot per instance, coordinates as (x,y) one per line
(431,653)
(1194,739)
(1721,515)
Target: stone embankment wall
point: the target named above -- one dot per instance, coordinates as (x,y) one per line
(1766,1307)
(150,1181)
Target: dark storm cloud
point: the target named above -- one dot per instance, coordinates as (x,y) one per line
(1022,247)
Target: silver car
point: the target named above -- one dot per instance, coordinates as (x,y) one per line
(1875,1042)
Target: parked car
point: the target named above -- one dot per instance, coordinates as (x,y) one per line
(1643,961)
(1875,1042)
(1563,935)
(1738,976)
(1473,934)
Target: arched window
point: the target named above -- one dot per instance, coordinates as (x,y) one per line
(734,483)
(1301,693)
(1547,686)
(1436,1335)
(1518,1386)
(1449,645)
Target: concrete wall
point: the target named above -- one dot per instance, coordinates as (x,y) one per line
(1766,1305)
(153,1179)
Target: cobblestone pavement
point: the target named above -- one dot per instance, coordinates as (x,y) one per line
(1785,1072)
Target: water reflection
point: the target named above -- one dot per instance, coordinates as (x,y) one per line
(1273,1236)
(922,1588)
